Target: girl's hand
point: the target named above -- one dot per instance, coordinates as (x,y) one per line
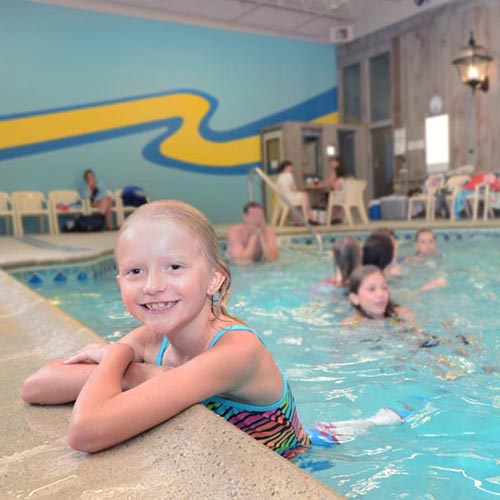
(93,353)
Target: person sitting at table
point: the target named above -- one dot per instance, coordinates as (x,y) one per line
(296,198)
(338,173)
(335,181)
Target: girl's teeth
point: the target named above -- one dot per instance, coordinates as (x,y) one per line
(159,306)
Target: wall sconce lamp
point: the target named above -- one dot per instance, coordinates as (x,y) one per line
(472,65)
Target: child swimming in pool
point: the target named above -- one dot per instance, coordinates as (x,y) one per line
(189,349)
(370,295)
(346,258)
(425,245)
(425,248)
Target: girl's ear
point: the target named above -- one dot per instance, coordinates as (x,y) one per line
(118,279)
(215,283)
(353,297)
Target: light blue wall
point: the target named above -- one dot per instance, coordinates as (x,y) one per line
(55,58)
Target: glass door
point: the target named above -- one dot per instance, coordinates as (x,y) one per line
(272,156)
(347,150)
(381,141)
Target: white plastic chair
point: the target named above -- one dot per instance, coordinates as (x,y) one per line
(281,211)
(115,208)
(7,212)
(350,196)
(429,201)
(481,193)
(30,203)
(455,185)
(64,202)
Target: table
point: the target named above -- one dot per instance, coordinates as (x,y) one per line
(318,195)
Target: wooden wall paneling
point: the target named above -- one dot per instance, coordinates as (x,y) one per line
(487,123)
(422,49)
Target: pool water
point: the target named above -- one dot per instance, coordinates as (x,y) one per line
(449,446)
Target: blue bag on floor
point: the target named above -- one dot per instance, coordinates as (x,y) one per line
(133,196)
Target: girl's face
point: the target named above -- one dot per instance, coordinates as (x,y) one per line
(334,164)
(373,295)
(165,281)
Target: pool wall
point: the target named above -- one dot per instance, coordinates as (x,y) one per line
(196,455)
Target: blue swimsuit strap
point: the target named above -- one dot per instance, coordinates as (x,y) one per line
(217,336)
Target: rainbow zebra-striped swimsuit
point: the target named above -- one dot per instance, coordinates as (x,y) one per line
(277,426)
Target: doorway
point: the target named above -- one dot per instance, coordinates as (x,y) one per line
(347,150)
(381,139)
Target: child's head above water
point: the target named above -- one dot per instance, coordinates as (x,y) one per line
(425,243)
(378,250)
(174,227)
(369,293)
(346,256)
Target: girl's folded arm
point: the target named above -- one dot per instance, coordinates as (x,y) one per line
(104,415)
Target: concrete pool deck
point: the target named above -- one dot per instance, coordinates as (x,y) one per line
(195,455)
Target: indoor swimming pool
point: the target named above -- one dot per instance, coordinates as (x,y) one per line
(447,447)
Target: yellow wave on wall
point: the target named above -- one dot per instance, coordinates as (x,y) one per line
(185,144)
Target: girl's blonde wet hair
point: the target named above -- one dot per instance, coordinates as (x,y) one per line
(194,221)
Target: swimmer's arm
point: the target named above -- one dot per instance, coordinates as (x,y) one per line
(104,415)
(433,284)
(237,251)
(268,242)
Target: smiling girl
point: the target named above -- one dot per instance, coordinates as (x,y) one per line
(188,350)
(370,296)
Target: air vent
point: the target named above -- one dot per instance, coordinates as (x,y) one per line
(341,34)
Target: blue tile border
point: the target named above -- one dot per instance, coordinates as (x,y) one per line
(90,270)
(402,235)
(64,273)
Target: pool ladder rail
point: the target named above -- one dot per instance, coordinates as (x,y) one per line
(266,179)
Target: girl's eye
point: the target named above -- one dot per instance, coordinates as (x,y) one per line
(175,267)
(134,272)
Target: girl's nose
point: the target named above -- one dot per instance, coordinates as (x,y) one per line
(154,283)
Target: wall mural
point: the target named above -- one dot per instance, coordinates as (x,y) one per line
(186,141)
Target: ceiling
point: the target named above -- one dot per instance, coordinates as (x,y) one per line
(315,20)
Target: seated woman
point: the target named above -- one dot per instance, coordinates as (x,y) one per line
(289,189)
(335,181)
(98,196)
(370,296)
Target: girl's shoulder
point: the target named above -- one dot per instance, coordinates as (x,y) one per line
(351,320)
